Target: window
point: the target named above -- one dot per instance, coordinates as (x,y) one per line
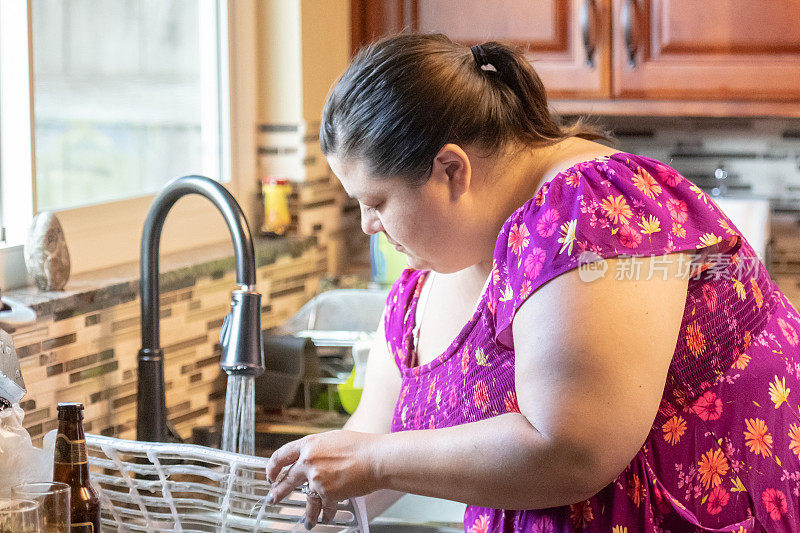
(104,101)
(126,97)
(16,187)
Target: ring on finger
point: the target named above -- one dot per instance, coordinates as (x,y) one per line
(306,489)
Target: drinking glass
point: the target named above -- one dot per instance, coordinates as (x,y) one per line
(19,516)
(54,502)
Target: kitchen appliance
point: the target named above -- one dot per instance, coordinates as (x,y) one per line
(719,181)
(749,212)
(751,216)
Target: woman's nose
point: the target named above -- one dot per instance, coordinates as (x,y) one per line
(370,223)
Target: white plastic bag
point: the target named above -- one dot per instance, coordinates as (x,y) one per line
(20,460)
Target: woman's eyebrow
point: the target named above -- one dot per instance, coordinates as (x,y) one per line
(361,197)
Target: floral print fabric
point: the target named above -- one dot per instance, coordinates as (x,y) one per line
(722,453)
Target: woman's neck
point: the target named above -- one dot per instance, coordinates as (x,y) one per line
(509,180)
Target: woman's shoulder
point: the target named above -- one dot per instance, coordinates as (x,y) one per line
(581,155)
(603,169)
(616,204)
(616,191)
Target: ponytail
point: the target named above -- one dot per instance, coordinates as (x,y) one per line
(536,122)
(404,97)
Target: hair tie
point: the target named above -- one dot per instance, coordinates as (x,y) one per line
(480,55)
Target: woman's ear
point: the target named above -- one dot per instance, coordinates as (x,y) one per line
(451,166)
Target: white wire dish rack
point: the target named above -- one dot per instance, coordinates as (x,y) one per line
(166,487)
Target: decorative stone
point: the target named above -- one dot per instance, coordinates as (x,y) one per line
(46,253)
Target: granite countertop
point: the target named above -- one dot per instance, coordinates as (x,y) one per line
(99,289)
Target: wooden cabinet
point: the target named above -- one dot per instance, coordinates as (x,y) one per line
(739,56)
(372,19)
(551,31)
(567,41)
(709,50)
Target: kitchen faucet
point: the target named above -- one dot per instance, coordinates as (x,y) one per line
(240,336)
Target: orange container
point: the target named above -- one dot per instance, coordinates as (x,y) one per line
(276,206)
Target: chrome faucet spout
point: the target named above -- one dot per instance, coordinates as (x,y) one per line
(240,353)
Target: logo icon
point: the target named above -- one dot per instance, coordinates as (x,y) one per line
(591,266)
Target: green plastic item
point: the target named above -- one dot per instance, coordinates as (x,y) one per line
(387,262)
(348,395)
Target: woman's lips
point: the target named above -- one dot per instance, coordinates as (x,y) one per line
(397,246)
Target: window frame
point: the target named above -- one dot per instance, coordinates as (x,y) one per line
(109,233)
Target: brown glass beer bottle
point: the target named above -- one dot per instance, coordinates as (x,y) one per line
(70,466)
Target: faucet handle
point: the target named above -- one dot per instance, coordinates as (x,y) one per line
(225,330)
(240,335)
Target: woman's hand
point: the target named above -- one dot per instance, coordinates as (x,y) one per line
(337,465)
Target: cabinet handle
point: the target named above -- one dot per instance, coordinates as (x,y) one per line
(628,19)
(588,21)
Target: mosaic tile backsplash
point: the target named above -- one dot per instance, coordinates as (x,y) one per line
(761,156)
(85,350)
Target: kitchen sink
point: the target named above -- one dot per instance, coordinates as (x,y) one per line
(396,527)
(274,429)
(265,443)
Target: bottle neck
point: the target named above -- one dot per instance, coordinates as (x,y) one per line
(70,458)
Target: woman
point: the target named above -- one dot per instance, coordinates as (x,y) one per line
(582,340)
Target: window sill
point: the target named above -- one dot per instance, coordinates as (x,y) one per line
(106,287)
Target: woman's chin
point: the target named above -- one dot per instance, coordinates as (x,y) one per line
(416,263)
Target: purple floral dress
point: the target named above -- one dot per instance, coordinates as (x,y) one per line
(722,453)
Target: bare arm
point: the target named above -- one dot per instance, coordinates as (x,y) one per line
(376,408)
(591,363)
(381,389)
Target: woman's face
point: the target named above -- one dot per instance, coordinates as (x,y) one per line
(418,221)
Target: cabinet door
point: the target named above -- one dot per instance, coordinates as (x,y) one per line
(557,34)
(707,50)
(372,19)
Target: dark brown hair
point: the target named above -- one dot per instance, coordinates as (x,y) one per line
(404,97)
